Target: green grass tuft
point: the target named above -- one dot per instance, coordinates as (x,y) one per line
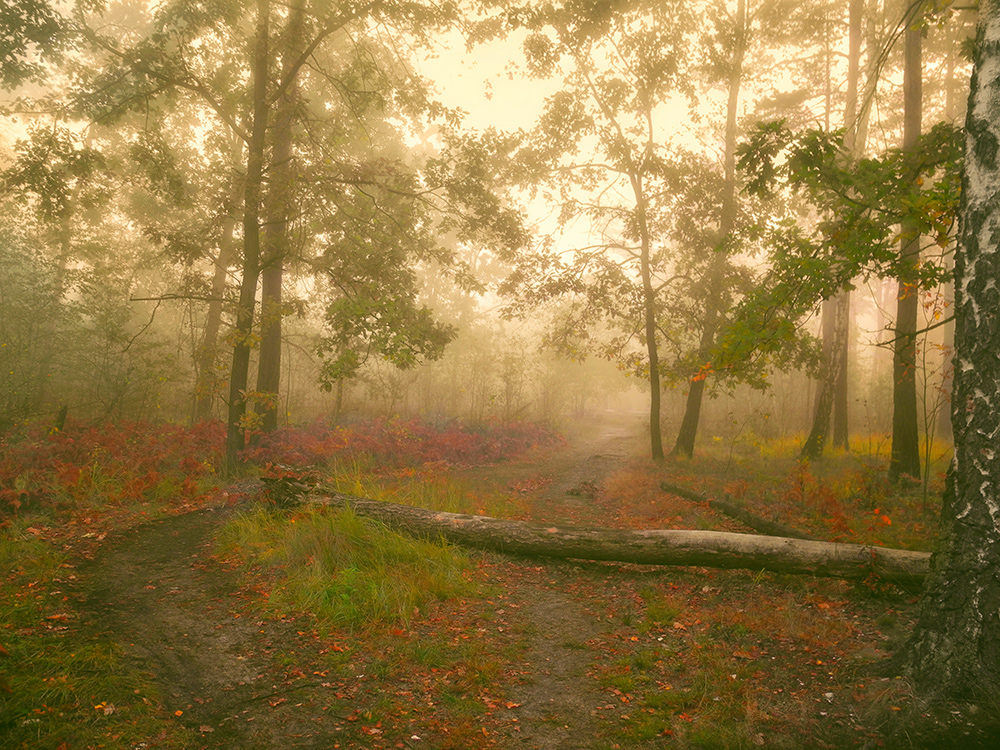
(348,571)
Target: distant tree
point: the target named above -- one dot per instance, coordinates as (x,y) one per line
(243,66)
(836,310)
(598,153)
(862,202)
(34,324)
(727,50)
(905,455)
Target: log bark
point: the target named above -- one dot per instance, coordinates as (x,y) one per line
(748,519)
(712,549)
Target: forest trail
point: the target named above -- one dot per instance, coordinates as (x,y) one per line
(184,619)
(558,702)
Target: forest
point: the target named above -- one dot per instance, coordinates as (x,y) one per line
(588,374)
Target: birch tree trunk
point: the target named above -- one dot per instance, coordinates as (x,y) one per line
(713,549)
(955,648)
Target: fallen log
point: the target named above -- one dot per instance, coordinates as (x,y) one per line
(712,549)
(755,522)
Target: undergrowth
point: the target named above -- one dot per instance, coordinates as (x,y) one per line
(349,572)
(428,487)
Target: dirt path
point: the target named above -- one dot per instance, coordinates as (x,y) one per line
(559,702)
(183,619)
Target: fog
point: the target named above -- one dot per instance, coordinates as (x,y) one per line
(482,214)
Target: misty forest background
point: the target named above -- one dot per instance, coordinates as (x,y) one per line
(262,259)
(737,217)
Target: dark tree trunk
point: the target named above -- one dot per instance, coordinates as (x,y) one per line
(269,359)
(955,648)
(833,390)
(713,549)
(688,431)
(840,314)
(755,522)
(235,427)
(207,383)
(655,434)
(905,458)
(276,231)
(841,423)
(649,313)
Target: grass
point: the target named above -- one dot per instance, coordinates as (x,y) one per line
(59,686)
(429,487)
(349,572)
(843,497)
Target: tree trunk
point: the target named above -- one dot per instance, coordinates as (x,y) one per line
(952,114)
(235,427)
(840,311)
(955,648)
(833,391)
(207,385)
(276,231)
(649,314)
(905,458)
(713,549)
(269,358)
(841,424)
(727,220)
(688,431)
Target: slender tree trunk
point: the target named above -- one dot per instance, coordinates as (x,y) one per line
(243,333)
(905,458)
(207,385)
(841,425)
(856,130)
(840,313)
(276,231)
(955,648)
(649,313)
(696,390)
(833,389)
(952,114)
(688,432)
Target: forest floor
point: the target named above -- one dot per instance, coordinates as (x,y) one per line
(548,655)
